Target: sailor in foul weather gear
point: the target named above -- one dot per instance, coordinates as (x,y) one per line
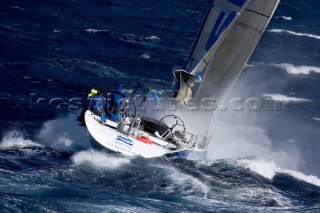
(113,102)
(93,103)
(92,93)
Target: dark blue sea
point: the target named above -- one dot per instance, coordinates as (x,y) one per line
(53,52)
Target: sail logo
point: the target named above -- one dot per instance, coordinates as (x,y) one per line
(124,140)
(222,23)
(218,28)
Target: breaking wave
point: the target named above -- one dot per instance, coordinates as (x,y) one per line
(294,33)
(15,139)
(268,169)
(64,133)
(98,159)
(184,183)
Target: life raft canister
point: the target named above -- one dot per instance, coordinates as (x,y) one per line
(144,139)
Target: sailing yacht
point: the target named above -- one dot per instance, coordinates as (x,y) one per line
(226,39)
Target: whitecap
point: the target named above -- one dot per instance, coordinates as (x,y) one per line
(316,119)
(184,182)
(268,169)
(284,98)
(15,139)
(98,159)
(145,56)
(90,30)
(296,70)
(287,18)
(263,168)
(294,33)
(314,180)
(64,133)
(153,38)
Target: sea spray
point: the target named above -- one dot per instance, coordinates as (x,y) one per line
(15,139)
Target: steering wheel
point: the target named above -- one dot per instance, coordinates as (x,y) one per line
(177,122)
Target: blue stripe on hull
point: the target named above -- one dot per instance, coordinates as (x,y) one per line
(188,154)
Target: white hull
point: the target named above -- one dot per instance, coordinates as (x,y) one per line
(112,139)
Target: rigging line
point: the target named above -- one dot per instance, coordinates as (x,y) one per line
(164,50)
(198,35)
(158,34)
(169,40)
(188,56)
(163,24)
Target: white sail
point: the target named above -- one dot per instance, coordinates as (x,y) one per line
(221,16)
(233,53)
(231,31)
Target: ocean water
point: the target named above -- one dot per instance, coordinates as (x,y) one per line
(53,52)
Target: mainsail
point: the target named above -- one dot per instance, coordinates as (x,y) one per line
(227,39)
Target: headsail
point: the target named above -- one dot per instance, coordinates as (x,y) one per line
(218,22)
(230,33)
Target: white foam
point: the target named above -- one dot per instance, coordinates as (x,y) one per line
(153,38)
(263,196)
(19,8)
(263,168)
(284,98)
(287,18)
(64,133)
(90,30)
(145,56)
(316,119)
(15,139)
(56,31)
(314,180)
(98,159)
(183,182)
(296,70)
(268,169)
(294,33)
